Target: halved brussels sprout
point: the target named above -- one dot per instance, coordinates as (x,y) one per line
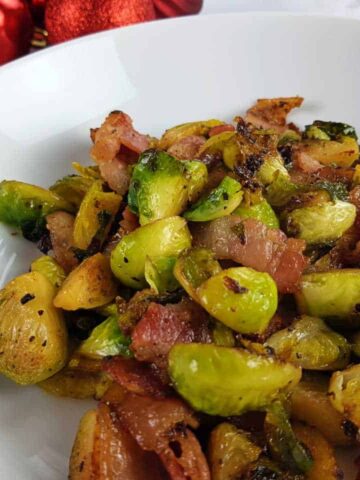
(49,267)
(283,444)
(261,211)
(228,381)
(89,285)
(324,465)
(95,216)
(164,238)
(224,143)
(341,153)
(81,460)
(241,298)
(332,295)
(310,403)
(26,206)
(311,344)
(344,393)
(272,166)
(159,274)
(175,134)
(223,335)
(195,266)
(322,223)
(279,192)
(219,202)
(321,130)
(106,340)
(230,452)
(33,336)
(288,137)
(72,188)
(197,177)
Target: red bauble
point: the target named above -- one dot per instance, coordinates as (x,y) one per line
(174,8)
(67,19)
(15,29)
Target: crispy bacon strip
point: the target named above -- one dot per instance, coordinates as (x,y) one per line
(61,228)
(272,112)
(252,244)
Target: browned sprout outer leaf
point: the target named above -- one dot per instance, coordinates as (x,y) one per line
(80,465)
(230,452)
(90,285)
(344,393)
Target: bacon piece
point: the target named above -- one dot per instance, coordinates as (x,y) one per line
(252,244)
(161,327)
(116,174)
(61,228)
(130,221)
(221,129)
(304,162)
(187,148)
(134,376)
(272,112)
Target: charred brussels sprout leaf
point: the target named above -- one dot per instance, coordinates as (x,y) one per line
(344,393)
(311,344)
(49,267)
(220,202)
(230,452)
(228,381)
(106,340)
(95,216)
(333,296)
(159,274)
(33,337)
(26,206)
(164,238)
(72,188)
(177,133)
(321,130)
(321,223)
(89,285)
(241,298)
(261,211)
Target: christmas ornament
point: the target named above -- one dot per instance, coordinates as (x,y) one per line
(15,29)
(67,19)
(174,8)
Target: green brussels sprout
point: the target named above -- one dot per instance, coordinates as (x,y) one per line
(344,393)
(219,202)
(106,340)
(158,187)
(159,274)
(26,206)
(283,444)
(177,133)
(287,137)
(224,143)
(261,211)
(49,267)
(322,223)
(230,452)
(228,381)
(197,177)
(241,298)
(321,130)
(333,296)
(163,238)
(193,267)
(72,188)
(33,336)
(341,153)
(95,216)
(311,344)
(223,335)
(272,167)
(280,191)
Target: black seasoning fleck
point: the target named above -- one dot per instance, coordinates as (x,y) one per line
(126,260)
(225,196)
(234,286)
(32,338)
(44,343)
(239,231)
(349,428)
(40,312)
(27,298)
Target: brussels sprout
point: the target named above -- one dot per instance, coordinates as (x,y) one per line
(287,137)
(321,130)
(106,340)
(311,344)
(49,267)
(324,465)
(89,285)
(163,238)
(33,337)
(159,274)
(81,460)
(272,167)
(219,202)
(107,310)
(225,143)
(341,153)
(230,452)
(197,177)
(344,392)
(261,211)
(333,295)
(228,381)
(193,267)
(241,298)
(87,172)
(280,191)
(223,335)
(95,216)
(321,223)
(175,134)
(310,403)
(283,444)
(26,206)
(72,188)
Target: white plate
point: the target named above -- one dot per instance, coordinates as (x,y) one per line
(161,73)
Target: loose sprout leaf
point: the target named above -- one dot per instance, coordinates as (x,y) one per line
(332,130)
